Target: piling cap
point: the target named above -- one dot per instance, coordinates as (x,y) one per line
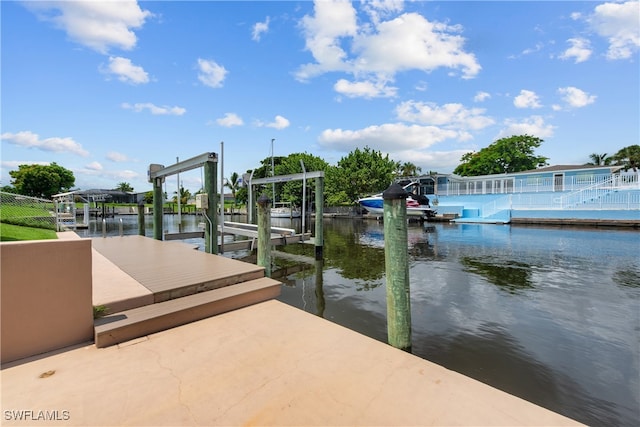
(394,192)
(263,200)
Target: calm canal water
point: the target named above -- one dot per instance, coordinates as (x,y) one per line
(548,314)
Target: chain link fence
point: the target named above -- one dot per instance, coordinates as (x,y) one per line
(27,211)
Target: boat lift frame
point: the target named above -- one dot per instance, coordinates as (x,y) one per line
(319,177)
(158,173)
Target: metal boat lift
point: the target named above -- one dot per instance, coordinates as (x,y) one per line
(319,177)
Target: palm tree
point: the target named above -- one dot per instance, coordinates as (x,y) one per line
(233,184)
(185,195)
(124,187)
(599,159)
(409,169)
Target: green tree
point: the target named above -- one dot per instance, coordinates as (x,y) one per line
(9,189)
(185,195)
(42,180)
(233,183)
(599,159)
(292,191)
(506,155)
(629,157)
(360,173)
(125,187)
(409,169)
(242,196)
(148,197)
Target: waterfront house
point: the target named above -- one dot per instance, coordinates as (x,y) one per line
(554,193)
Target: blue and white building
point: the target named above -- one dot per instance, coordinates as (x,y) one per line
(571,193)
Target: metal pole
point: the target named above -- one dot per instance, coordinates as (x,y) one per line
(120,228)
(397,267)
(179,196)
(104,227)
(264,234)
(141,225)
(251,204)
(318,239)
(273,173)
(221,160)
(304,196)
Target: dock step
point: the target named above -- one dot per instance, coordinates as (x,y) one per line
(141,321)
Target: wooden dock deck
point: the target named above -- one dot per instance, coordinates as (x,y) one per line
(184,285)
(173,269)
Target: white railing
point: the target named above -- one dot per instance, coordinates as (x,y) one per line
(495,206)
(513,185)
(609,200)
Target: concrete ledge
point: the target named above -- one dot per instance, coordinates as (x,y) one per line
(45,296)
(138,322)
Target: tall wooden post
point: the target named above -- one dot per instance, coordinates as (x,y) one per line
(397,267)
(264,234)
(211,188)
(141,224)
(318,239)
(157,208)
(320,301)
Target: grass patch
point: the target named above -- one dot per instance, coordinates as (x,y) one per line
(28,216)
(10,232)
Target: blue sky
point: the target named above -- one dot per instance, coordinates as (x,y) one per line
(106,88)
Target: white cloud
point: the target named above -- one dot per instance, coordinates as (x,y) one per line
(96,170)
(94,166)
(575,97)
(481,96)
(15,164)
(527,99)
(533,125)
(452,116)
(619,24)
(365,89)
(116,157)
(230,120)
(279,123)
(29,139)
(439,161)
(126,71)
(379,49)
(154,109)
(211,74)
(332,20)
(98,25)
(580,50)
(386,137)
(259,28)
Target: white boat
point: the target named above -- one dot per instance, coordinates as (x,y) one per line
(416,205)
(284,210)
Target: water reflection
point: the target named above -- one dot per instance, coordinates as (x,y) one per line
(513,276)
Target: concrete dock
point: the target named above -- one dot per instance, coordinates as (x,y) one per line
(266,364)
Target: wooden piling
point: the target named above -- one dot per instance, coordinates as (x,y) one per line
(211,188)
(141,224)
(397,267)
(318,238)
(157,208)
(264,234)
